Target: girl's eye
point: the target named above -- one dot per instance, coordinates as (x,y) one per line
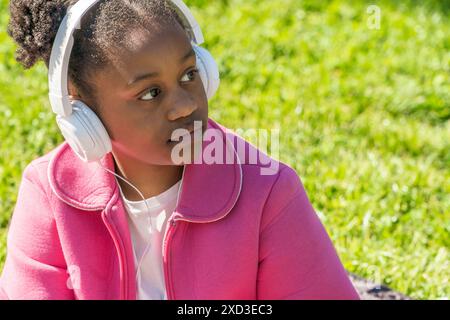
(192,73)
(150,95)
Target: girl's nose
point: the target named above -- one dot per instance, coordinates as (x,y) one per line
(183,105)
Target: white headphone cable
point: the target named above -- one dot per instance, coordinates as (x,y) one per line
(148,213)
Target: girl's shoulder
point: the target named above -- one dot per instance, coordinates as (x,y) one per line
(36,170)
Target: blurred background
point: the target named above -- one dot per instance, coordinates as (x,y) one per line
(361,94)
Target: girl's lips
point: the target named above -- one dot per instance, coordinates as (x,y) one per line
(183,138)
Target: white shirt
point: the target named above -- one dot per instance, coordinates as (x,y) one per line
(151,283)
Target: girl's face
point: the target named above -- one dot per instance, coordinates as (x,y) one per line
(153,91)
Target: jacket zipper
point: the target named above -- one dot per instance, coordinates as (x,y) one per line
(122,261)
(172,222)
(169,235)
(167,275)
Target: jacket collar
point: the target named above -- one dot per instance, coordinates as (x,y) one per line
(88,187)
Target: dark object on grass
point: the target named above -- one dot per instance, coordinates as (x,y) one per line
(371,291)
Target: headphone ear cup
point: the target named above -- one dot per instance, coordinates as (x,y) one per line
(84,132)
(209,71)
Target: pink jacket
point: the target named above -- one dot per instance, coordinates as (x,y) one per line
(235,234)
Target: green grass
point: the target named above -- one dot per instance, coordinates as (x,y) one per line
(364,119)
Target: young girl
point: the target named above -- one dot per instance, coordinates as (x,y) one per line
(135,223)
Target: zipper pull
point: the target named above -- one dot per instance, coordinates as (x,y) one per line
(172,223)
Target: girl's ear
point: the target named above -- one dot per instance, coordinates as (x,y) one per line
(73,92)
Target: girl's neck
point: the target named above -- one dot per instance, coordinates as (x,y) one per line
(151,180)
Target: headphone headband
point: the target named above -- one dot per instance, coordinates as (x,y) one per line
(62,48)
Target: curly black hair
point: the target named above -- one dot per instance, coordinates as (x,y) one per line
(33,25)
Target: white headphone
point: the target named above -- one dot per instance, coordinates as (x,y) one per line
(79,125)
